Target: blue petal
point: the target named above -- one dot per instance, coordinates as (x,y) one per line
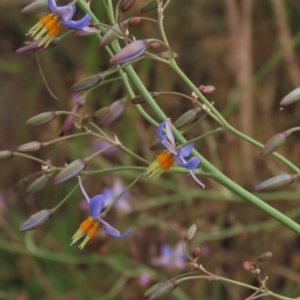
(169,132)
(67,11)
(96,204)
(186,150)
(166,251)
(112,231)
(80,24)
(189,165)
(159,131)
(52,5)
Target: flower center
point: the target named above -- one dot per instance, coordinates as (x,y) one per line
(51,23)
(165,159)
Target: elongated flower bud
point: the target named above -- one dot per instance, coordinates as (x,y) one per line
(291,97)
(160,289)
(150,5)
(86,83)
(274,143)
(35,7)
(276,183)
(127,4)
(6,154)
(38,184)
(115,110)
(37,220)
(21,184)
(100,113)
(130,52)
(70,171)
(190,233)
(187,118)
(36,46)
(265,256)
(134,22)
(42,118)
(113,33)
(29,147)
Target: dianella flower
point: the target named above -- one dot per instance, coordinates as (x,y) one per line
(172,154)
(90,226)
(49,26)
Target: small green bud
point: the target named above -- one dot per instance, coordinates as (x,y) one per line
(86,119)
(38,184)
(86,83)
(35,7)
(40,119)
(187,118)
(274,143)
(37,220)
(291,97)
(160,289)
(190,233)
(6,154)
(32,146)
(100,113)
(21,184)
(276,183)
(113,33)
(70,171)
(265,256)
(150,5)
(115,110)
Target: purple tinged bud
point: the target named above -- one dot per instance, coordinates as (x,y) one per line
(291,97)
(70,171)
(86,119)
(37,220)
(30,147)
(276,183)
(150,5)
(196,252)
(134,22)
(130,52)
(69,122)
(35,7)
(160,289)
(40,119)
(38,184)
(127,4)
(113,33)
(265,256)
(206,89)
(100,113)
(190,233)
(115,110)
(21,185)
(187,118)
(274,143)
(34,47)
(86,83)
(6,154)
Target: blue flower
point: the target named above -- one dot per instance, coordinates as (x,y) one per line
(90,226)
(49,26)
(172,154)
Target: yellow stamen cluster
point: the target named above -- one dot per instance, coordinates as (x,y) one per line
(163,162)
(48,27)
(89,228)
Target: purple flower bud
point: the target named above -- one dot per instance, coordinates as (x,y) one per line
(130,52)
(127,4)
(150,5)
(86,83)
(69,122)
(115,110)
(37,220)
(35,7)
(34,47)
(38,184)
(70,171)
(6,154)
(32,146)
(100,113)
(291,97)
(42,118)
(276,183)
(113,33)
(187,118)
(134,22)
(274,143)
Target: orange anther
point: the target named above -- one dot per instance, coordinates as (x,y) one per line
(46,19)
(87,224)
(93,230)
(166,160)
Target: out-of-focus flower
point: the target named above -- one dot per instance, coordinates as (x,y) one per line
(144,279)
(122,205)
(49,26)
(99,144)
(90,226)
(169,258)
(172,154)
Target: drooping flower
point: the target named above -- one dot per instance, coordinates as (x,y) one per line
(90,226)
(172,154)
(170,258)
(48,27)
